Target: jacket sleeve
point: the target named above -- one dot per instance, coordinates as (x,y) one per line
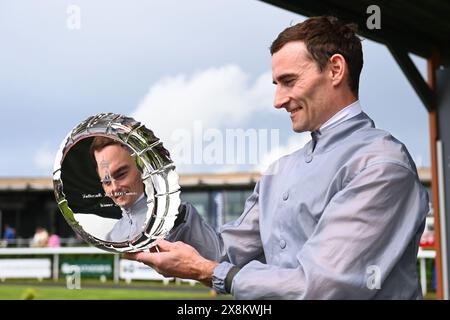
(369,228)
(238,241)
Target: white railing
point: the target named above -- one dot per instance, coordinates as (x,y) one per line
(56,252)
(422,256)
(62,250)
(26,242)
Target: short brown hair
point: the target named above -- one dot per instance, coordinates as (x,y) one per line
(101,142)
(324,36)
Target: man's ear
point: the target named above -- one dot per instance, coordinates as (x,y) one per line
(337,68)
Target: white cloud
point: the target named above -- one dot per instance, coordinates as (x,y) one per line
(216,97)
(294,143)
(44,158)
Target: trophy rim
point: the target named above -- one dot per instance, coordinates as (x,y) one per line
(154,163)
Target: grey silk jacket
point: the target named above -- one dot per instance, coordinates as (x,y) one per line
(132,222)
(340,218)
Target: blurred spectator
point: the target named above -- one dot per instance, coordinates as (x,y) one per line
(10,232)
(40,238)
(427,238)
(54,241)
(9,235)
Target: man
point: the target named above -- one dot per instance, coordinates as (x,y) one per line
(122,182)
(40,238)
(9,235)
(340,218)
(10,232)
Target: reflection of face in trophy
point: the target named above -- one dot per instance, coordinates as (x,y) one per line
(118,173)
(115,183)
(122,182)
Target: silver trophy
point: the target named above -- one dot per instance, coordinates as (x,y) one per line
(115,184)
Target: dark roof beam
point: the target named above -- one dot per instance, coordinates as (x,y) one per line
(412,73)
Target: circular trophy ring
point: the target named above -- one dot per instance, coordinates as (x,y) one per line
(153,162)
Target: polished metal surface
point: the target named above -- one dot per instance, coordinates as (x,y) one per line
(81,195)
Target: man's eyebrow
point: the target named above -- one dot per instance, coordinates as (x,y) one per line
(284,77)
(120,169)
(116,172)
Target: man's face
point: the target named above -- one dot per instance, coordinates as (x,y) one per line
(120,177)
(302,89)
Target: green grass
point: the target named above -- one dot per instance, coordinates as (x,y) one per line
(96,282)
(430,296)
(41,292)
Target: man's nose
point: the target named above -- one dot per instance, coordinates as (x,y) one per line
(114,187)
(281,99)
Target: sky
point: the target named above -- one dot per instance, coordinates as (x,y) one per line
(197,73)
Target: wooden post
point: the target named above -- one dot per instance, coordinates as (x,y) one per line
(433,64)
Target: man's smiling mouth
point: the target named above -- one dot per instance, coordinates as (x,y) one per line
(293,111)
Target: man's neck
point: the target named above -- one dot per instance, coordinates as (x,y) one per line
(338,102)
(134,203)
(343,114)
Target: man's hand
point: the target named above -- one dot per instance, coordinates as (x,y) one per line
(177,259)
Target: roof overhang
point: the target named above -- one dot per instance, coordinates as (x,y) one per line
(416,26)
